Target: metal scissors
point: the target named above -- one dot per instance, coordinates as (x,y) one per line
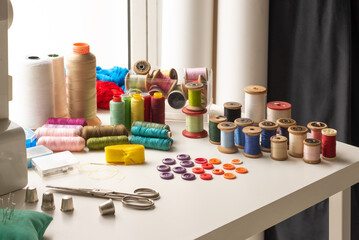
(141,199)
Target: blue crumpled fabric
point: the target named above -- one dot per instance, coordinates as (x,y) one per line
(115,74)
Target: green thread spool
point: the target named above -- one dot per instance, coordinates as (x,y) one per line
(102,142)
(150,132)
(194,96)
(154,143)
(137,108)
(117,111)
(136,82)
(151,125)
(194,124)
(214,132)
(126,98)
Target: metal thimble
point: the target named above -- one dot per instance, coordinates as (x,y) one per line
(107,207)
(67,204)
(31,195)
(48,203)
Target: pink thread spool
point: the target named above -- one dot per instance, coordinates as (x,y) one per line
(57,132)
(67,121)
(192,74)
(311,150)
(78,127)
(316,129)
(59,144)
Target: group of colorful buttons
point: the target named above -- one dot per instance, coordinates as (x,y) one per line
(205,165)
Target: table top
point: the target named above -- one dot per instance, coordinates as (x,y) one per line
(217,209)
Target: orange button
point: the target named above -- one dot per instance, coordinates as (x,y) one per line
(228,166)
(214,161)
(217,171)
(241,170)
(236,161)
(229,176)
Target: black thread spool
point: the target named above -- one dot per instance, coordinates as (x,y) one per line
(232,110)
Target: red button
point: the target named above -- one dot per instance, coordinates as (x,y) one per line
(206,176)
(200,160)
(197,170)
(207,166)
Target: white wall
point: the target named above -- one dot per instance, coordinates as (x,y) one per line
(52,26)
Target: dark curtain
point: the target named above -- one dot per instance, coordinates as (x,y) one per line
(313,64)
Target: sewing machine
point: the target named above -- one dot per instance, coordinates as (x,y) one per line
(13,170)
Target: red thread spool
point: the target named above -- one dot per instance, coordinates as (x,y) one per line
(147,103)
(329,138)
(158,108)
(316,129)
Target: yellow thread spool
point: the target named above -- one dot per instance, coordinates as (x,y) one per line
(137,108)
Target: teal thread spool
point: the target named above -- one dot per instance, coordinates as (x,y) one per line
(154,143)
(102,142)
(151,125)
(150,132)
(126,98)
(117,111)
(194,124)
(214,132)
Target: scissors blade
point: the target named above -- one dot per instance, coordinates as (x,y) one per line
(86,191)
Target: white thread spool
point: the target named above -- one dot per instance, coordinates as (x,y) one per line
(279,148)
(297,134)
(278,109)
(254,99)
(33,92)
(60,98)
(311,151)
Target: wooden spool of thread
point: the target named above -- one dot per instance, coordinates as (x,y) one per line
(297,134)
(232,110)
(172,73)
(269,129)
(136,82)
(284,124)
(103,131)
(117,111)
(227,137)
(329,136)
(142,67)
(194,96)
(278,109)
(254,99)
(177,99)
(57,132)
(238,133)
(99,143)
(126,98)
(161,81)
(311,150)
(194,124)
(153,89)
(147,104)
(158,108)
(251,146)
(214,132)
(151,125)
(59,144)
(279,146)
(192,74)
(81,83)
(137,108)
(316,129)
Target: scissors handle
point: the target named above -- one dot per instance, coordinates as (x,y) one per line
(139,203)
(147,193)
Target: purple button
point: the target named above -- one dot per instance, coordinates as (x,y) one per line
(188,176)
(183,156)
(166,175)
(179,169)
(169,161)
(163,168)
(187,163)
(201,160)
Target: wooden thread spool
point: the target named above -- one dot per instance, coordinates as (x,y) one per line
(269,129)
(137,82)
(192,74)
(254,99)
(194,97)
(142,67)
(329,136)
(284,124)
(214,132)
(297,134)
(194,118)
(251,147)
(232,110)
(311,150)
(227,137)
(172,73)
(177,99)
(278,109)
(279,146)
(162,82)
(238,133)
(316,129)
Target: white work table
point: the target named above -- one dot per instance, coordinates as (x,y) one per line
(269,193)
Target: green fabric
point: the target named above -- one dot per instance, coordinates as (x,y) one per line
(24,225)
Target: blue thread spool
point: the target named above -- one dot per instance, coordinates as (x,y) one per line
(269,129)
(284,124)
(227,137)
(238,133)
(251,146)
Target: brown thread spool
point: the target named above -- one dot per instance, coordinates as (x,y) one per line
(141,67)
(279,148)
(311,151)
(81,83)
(103,131)
(297,134)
